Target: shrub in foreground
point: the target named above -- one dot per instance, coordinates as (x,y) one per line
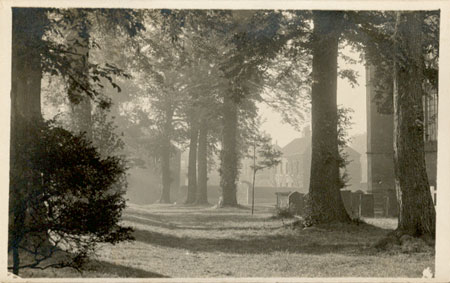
(64,197)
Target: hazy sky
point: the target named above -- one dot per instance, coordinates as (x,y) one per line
(354,98)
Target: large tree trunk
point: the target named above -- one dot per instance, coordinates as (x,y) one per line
(202,192)
(254,176)
(416,209)
(192,163)
(229,154)
(25,111)
(324,192)
(165,157)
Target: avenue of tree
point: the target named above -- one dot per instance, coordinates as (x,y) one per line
(193,80)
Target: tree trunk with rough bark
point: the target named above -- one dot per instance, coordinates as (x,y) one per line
(325,203)
(192,163)
(202,192)
(254,176)
(417,214)
(165,157)
(25,111)
(229,153)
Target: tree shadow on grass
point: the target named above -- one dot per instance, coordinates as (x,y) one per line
(190,220)
(204,227)
(149,221)
(308,243)
(109,269)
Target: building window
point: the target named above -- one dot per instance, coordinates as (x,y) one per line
(430,105)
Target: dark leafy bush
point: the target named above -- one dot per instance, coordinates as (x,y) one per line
(64,196)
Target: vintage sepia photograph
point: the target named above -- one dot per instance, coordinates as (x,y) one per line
(222,142)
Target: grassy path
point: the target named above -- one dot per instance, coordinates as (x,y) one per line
(179,241)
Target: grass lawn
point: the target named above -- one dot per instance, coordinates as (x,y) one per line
(183,241)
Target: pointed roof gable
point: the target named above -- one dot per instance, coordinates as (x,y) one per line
(296,146)
(303,145)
